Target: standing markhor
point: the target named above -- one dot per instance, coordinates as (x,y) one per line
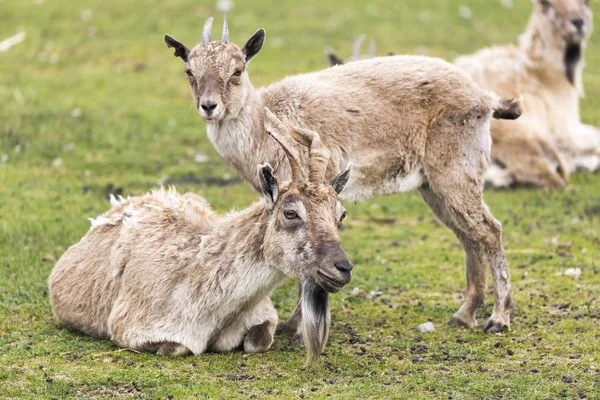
(404,122)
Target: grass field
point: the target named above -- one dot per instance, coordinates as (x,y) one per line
(92,102)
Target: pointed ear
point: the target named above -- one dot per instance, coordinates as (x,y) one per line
(340,181)
(334,59)
(180,49)
(254,44)
(268,185)
(546,4)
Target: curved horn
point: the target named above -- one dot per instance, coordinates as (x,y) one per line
(356,47)
(319,153)
(225,34)
(281,134)
(206,31)
(372,46)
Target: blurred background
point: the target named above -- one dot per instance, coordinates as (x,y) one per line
(92,93)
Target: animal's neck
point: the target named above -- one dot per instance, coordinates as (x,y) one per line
(244,143)
(232,257)
(551,52)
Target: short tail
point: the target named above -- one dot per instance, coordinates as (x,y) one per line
(509,109)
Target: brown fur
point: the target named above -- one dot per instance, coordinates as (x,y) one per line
(549,141)
(163,273)
(404,122)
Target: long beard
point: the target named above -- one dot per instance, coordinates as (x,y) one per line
(571,60)
(315,320)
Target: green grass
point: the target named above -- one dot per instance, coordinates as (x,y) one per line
(137,129)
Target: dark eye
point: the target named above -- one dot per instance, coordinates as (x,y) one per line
(237,73)
(342,219)
(546,4)
(289,214)
(189,73)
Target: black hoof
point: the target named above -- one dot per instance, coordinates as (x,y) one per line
(495,327)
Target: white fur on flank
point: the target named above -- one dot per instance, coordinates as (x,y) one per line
(399,184)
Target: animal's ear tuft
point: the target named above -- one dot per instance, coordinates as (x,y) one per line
(254,44)
(181,50)
(340,181)
(268,185)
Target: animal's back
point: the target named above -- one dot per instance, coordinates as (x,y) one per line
(509,72)
(404,83)
(87,280)
(502,69)
(380,114)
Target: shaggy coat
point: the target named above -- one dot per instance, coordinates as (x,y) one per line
(163,273)
(546,70)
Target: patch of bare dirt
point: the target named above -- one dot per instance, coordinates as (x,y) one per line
(107,392)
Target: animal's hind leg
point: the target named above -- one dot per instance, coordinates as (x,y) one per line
(463,196)
(474,261)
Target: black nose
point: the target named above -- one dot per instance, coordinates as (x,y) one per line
(344,266)
(208,106)
(578,22)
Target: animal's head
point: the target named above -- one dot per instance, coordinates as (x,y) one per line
(303,234)
(302,238)
(568,20)
(217,73)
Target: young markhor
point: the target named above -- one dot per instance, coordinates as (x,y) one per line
(404,122)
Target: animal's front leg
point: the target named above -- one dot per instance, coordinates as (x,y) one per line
(261,335)
(259,338)
(252,329)
(166,348)
(291,327)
